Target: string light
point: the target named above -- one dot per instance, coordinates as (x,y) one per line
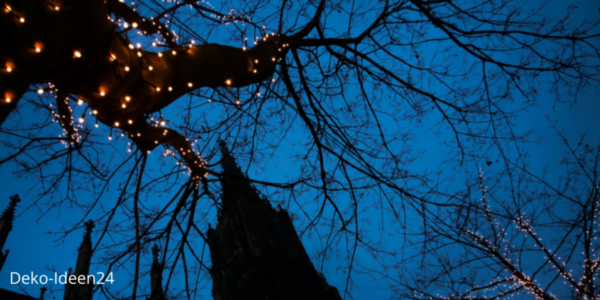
(127,98)
(150,68)
(22,20)
(134,25)
(40,91)
(190,84)
(117,124)
(8,100)
(228,82)
(77,54)
(159,54)
(170,89)
(126,69)
(174,52)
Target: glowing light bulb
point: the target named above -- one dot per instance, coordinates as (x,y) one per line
(81,120)
(102,93)
(22,20)
(157,89)
(94,112)
(134,25)
(254,71)
(40,91)
(174,52)
(77,54)
(124,105)
(56,8)
(170,89)
(126,69)
(228,82)
(131,46)
(38,50)
(79,102)
(256,61)
(162,123)
(127,98)
(150,68)
(190,84)
(8,69)
(139,54)
(117,124)
(159,54)
(138,45)
(8,100)
(130,121)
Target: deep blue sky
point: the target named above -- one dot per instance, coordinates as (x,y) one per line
(32,250)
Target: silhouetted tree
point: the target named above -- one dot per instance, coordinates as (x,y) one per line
(348,84)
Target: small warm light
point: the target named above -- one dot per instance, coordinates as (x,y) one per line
(131,46)
(8,100)
(56,8)
(113,57)
(102,93)
(22,20)
(273,58)
(159,54)
(79,102)
(162,123)
(256,61)
(150,68)
(130,121)
(139,54)
(124,105)
(134,25)
(237,101)
(170,89)
(126,69)
(228,82)
(117,124)
(94,112)
(77,54)
(38,50)
(127,98)
(157,89)
(174,52)
(190,84)
(138,45)
(8,69)
(81,120)
(8,8)
(40,91)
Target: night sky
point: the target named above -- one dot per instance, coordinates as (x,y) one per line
(32,249)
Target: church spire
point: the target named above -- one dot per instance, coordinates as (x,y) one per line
(84,257)
(156,276)
(255,250)
(234,183)
(6,226)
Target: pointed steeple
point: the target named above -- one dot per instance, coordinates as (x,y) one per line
(235,184)
(156,292)
(255,250)
(6,226)
(84,258)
